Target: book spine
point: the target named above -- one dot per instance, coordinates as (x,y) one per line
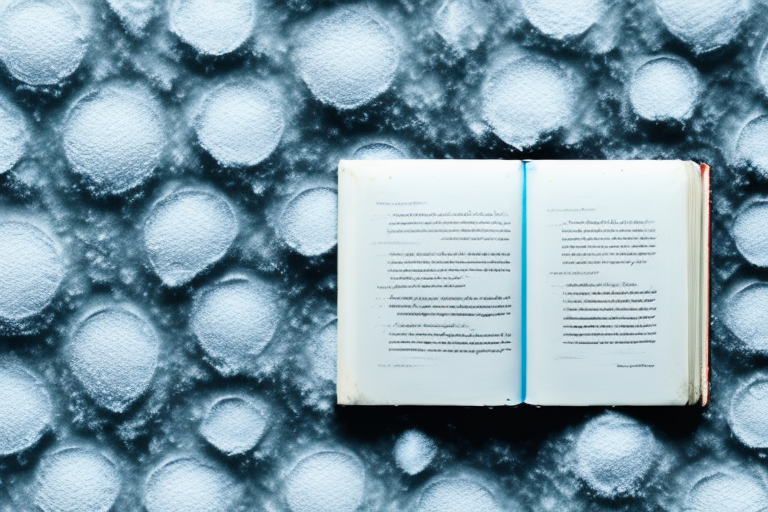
(705,292)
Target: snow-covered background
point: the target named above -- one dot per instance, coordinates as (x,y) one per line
(168,246)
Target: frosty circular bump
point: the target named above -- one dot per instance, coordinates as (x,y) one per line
(308,223)
(749,233)
(456,495)
(31,270)
(749,409)
(186,232)
(114,137)
(76,479)
(13,136)
(378,151)
(234,320)
(527,99)
(664,89)
(752,146)
(323,351)
(234,425)
(414,451)
(727,492)
(347,58)
(189,485)
(113,353)
(703,25)
(560,20)
(325,482)
(25,409)
(745,316)
(614,453)
(41,41)
(213,27)
(240,123)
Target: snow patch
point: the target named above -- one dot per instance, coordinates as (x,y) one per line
(76,479)
(187,484)
(234,320)
(240,123)
(188,231)
(347,58)
(114,137)
(213,27)
(744,314)
(562,20)
(42,41)
(113,353)
(308,223)
(702,24)
(25,408)
(614,453)
(31,270)
(527,99)
(414,451)
(325,482)
(664,89)
(456,495)
(234,424)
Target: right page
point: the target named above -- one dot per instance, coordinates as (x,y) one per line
(608,282)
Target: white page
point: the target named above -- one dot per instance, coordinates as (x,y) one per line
(602,333)
(430,282)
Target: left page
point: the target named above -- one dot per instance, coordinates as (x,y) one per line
(429,282)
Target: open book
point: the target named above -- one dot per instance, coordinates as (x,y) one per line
(489,282)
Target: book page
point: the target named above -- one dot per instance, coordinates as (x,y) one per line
(608,281)
(430,282)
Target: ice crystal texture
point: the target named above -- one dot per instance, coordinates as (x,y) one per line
(168,247)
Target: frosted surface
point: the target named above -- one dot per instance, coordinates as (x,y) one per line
(463,24)
(703,25)
(664,89)
(347,58)
(186,232)
(114,137)
(323,351)
(614,453)
(747,414)
(113,353)
(563,19)
(308,222)
(234,424)
(25,408)
(744,316)
(213,27)
(325,482)
(240,124)
(414,451)
(13,136)
(187,484)
(456,495)
(752,145)
(41,41)
(76,479)
(728,492)
(526,100)
(135,14)
(234,320)
(168,242)
(749,233)
(31,270)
